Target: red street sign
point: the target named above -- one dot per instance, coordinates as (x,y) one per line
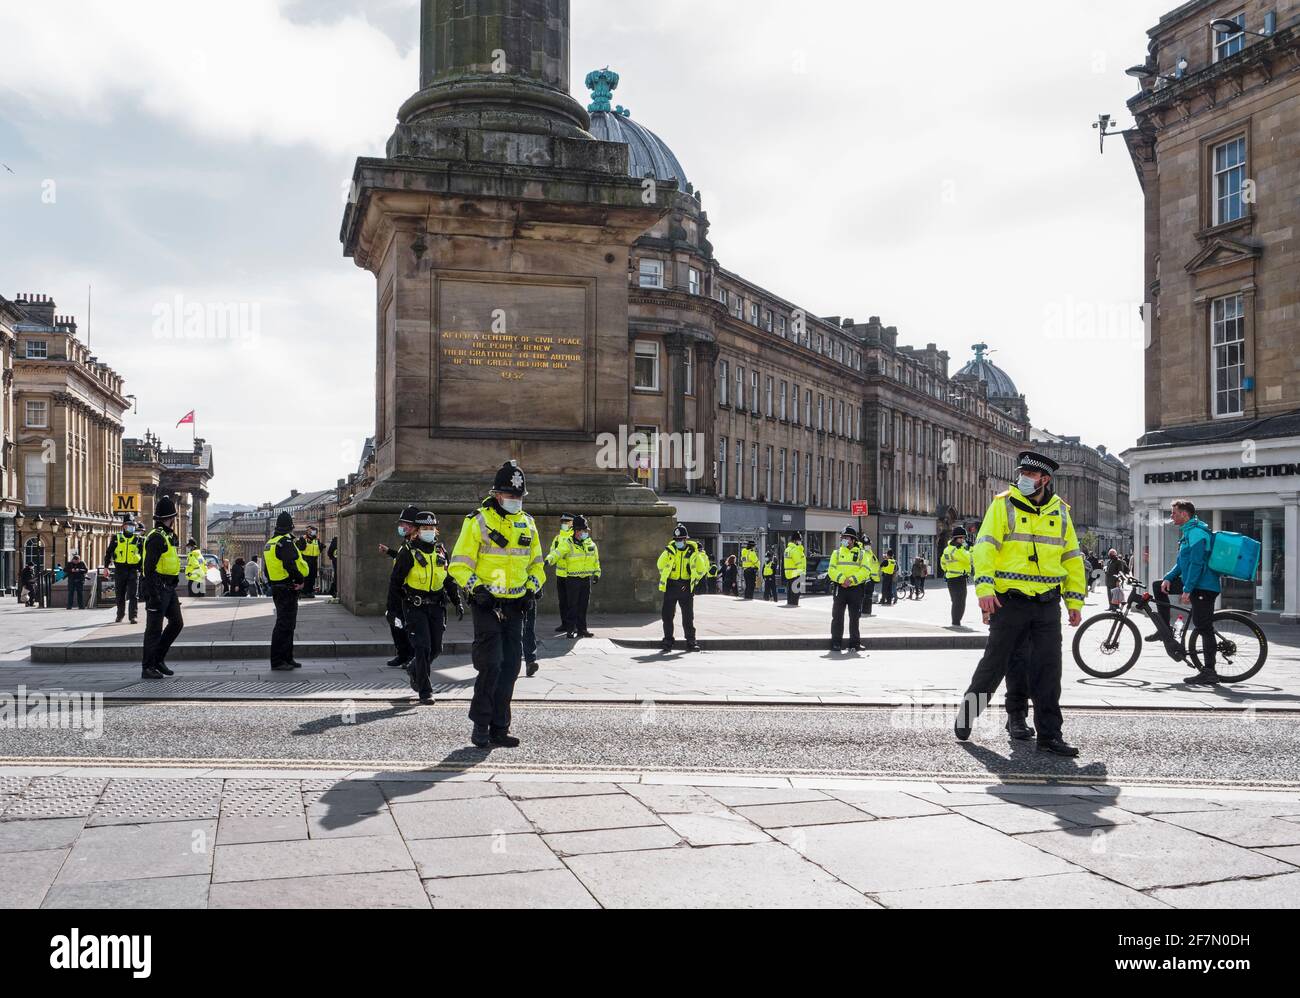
(858,508)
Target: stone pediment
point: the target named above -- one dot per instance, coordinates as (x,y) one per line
(1221,252)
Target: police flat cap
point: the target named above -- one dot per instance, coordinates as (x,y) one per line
(1037,462)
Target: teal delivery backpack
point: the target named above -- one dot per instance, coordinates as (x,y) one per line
(1234,555)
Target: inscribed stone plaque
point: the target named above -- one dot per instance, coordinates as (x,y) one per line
(503,343)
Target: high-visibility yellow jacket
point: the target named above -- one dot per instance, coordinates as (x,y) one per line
(849,566)
(796,563)
(575,559)
(428,573)
(169,562)
(500,551)
(275,569)
(872,563)
(888,566)
(1015,533)
(127,550)
(195,567)
(748,558)
(689,563)
(955,561)
(768,570)
(309,546)
(552,556)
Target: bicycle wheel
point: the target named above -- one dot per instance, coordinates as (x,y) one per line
(1107,645)
(1240,646)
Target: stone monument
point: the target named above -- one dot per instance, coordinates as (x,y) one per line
(498,230)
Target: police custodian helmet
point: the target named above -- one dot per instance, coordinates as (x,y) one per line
(510,480)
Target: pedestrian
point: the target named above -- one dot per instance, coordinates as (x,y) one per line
(27,584)
(681,567)
(849,574)
(423,588)
(712,586)
(225,577)
(920,569)
(558,566)
(159,575)
(770,568)
(887,569)
(1027,560)
(749,565)
(1116,570)
(406,531)
(125,553)
(1199,586)
(253,576)
(794,566)
(955,563)
(309,545)
(730,573)
(498,561)
(1094,571)
(74,570)
(873,575)
(238,582)
(286,570)
(196,569)
(332,553)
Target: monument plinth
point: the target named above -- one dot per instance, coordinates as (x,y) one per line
(498,231)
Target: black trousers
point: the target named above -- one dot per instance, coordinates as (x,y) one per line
(886,590)
(850,599)
(769,588)
(334,577)
(77,589)
(309,587)
(425,623)
(286,622)
(562,594)
(126,585)
(869,594)
(497,653)
(678,594)
(401,642)
(751,581)
(957,590)
(579,599)
(1019,621)
(162,604)
(1016,699)
(792,586)
(1202,616)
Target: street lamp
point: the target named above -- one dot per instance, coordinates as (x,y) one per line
(1230,27)
(1146,71)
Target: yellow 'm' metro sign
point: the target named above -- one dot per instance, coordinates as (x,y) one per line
(126,502)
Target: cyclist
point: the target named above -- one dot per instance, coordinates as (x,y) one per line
(1191,576)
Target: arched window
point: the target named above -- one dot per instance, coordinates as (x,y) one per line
(34,554)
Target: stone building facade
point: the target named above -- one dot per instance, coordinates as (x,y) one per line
(151,470)
(1216,146)
(68,436)
(1095,484)
(10,501)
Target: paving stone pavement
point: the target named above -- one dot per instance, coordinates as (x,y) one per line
(150,838)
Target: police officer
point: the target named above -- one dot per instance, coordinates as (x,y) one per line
(1027,559)
(887,569)
(681,567)
(196,569)
(125,555)
(557,564)
(161,570)
(769,576)
(287,570)
(749,564)
(423,590)
(873,575)
(796,563)
(850,574)
(712,584)
(581,560)
(956,565)
(309,545)
(406,531)
(498,561)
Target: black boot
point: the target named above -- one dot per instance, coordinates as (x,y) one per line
(480,736)
(531,668)
(162,667)
(1206,677)
(150,674)
(1018,729)
(503,739)
(1057,746)
(395,663)
(281,667)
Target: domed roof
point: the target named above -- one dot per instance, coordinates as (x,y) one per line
(648,154)
(982,369)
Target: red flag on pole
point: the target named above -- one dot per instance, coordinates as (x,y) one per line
(187,418)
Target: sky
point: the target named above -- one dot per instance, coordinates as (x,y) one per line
(930,165)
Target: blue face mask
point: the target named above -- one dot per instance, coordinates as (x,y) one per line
(401,532)
(679,545)
(512,506)
(428,536)
(1026,485)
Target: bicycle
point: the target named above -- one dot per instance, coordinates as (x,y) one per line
(1241,648)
